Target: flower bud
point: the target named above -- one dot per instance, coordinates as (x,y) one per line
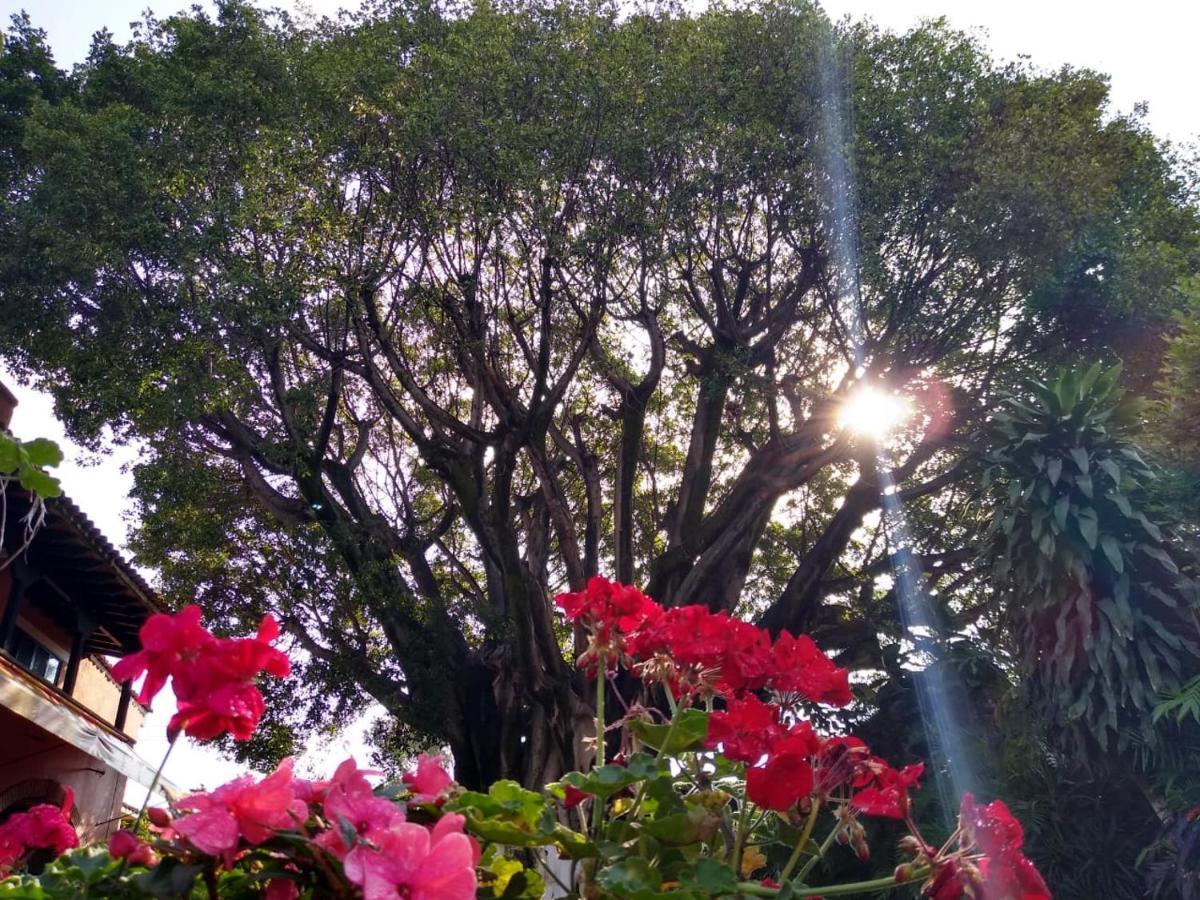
(909,844)
(158,817)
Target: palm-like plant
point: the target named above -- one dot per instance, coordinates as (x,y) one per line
(1104,622)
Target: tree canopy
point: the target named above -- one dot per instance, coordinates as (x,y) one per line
(428,312)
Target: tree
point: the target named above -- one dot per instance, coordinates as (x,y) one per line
(430,312)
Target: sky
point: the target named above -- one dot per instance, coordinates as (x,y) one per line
(1147,48)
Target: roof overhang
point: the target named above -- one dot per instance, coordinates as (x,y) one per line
(57,714)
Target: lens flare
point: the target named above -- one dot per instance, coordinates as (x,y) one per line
(873,412)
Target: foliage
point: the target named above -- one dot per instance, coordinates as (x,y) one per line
(430,311)
(24,463)
(1105,621)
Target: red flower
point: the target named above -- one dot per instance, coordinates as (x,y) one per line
(606,605)
(415,862)
(746,730)
(241,810)
(216,689)
(780,783)
(991,828)
(126,845)
(429,781)
(1003,872)
(801,668)
(610,611)
(787,776)
(574,796)
(169,643)
(887,796)
(42,827)
(1011,876)
(745,660)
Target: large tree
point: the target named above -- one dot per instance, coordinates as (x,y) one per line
(428,312)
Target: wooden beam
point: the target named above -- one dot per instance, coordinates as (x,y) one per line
(77,652)
(123,706)
(16,600)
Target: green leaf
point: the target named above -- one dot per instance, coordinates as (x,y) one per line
(1088,527)
(630,877)
(681,829)
(1061,507)
(1112,550)
(604,781)
(1080,455)
(10,454)
(37,481)
(43,452)
(691,730)
(1162,556)
(1054,469)
(710,877)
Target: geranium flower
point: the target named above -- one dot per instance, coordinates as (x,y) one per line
(573,796)
(169,643)
(887,795)
(801,668)
(415,862)
(746,730)
(242,810)
(610,611)
(41,827)
(1002,872)
(216,689)
(428,780)
(745,659)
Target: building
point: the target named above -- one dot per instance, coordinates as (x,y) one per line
(68,602)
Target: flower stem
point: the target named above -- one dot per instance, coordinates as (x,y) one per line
(739,838)
(601,684)
(754,889)
(154,781)
(802,843)
(825,845)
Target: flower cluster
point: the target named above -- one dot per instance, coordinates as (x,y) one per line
(696,651)
(342,824)
(41,827)
(687,807)
(213,678)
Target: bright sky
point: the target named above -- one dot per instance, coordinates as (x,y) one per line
(1147,48)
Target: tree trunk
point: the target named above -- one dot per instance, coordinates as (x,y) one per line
(508,732)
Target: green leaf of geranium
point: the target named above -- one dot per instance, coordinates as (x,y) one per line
(690,732)
(630,877)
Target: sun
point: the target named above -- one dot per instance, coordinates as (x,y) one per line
(873,412)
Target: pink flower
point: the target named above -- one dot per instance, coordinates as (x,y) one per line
(350,802)
(42,827)
(242,810)
(429,781)
(169,643)
(126,845)
(281,889)
(415,862)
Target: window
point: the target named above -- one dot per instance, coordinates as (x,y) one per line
(35,657)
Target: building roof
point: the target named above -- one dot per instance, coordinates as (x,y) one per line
(75,557)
